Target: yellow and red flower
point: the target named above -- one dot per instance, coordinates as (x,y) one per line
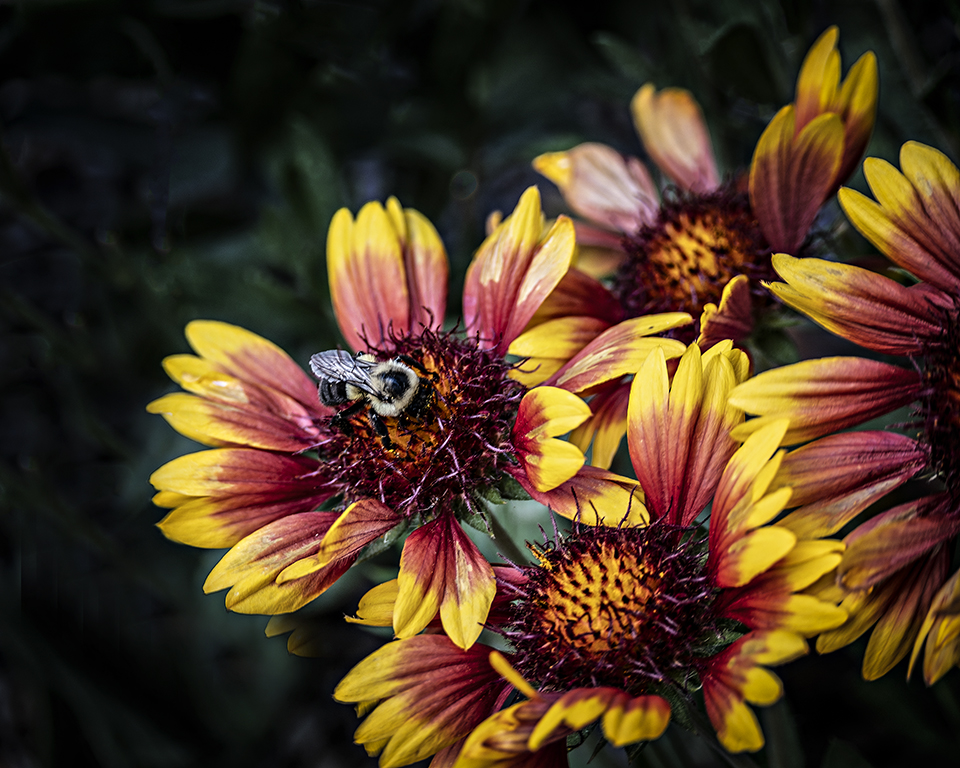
(298,490)
(617,624)
(705,248)
(894,575)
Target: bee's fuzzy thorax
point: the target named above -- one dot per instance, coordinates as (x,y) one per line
(450,441)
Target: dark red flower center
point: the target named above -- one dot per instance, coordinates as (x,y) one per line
(627,607)
(684,259)
(451,440)
(940,406)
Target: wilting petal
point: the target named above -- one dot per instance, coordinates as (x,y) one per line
(579,294)
(606,427)
(862,306)
(898,626)
(836,477)
(514,270)
(825,395)
(251,568)
(791,176)
(501,741)
(549,346)
(626,719)
(620,351)
(594,496)
(426,265)
(735,677)
(604,186)
(940,632)
(376,606)
(359,524)
(545,413)
(427,692)
(891,540)
(675,135)
(733,319)
(248,357)
(441,569)
(368,281)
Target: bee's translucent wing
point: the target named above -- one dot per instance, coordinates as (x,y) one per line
(338,365)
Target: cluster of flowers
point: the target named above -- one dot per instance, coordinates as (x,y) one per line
(671,591)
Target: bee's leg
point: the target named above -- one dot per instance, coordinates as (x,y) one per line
(341,419)
(381,429)
(417,366)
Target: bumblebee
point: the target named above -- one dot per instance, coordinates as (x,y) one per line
(389,388)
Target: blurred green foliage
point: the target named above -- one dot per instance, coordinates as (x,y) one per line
(165,160)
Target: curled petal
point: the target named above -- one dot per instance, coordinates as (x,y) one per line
(940,633)
(594,496)
(895,538)
(855,101)
(602,185)
(899,625)
(359,524)
(250,569)
(862,306)
(675,135)
(626,719)
(376,606)
(620,351)
(679,435)
(545,413)
(501,741)
(733,319)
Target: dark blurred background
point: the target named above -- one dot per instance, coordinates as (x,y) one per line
(164,160)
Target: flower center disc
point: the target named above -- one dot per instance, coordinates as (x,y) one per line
(450,441)
(940,408)
(621,607)
(684,259)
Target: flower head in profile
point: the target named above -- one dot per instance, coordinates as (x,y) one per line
(297,487)
(705,246)
(618,625)
(895,572)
